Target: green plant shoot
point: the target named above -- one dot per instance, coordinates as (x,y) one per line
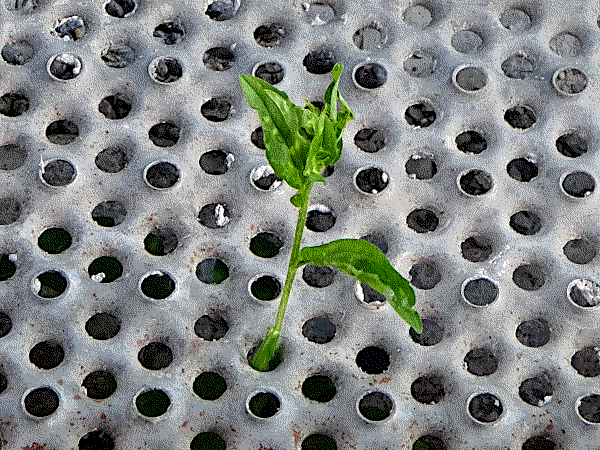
(299,144)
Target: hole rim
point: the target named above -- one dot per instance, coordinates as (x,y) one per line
(578,404)
(486,424)
(384,174)
(29,391)
(48,161)
(264,391)
(573,198)
(492,189)
(154,63)
(391,414)
(260,275)
(565,94)
(78,66)
(154,163)
(577,308)
(149,418)
(479,277)
(158,272)
(463,90)
(50,299)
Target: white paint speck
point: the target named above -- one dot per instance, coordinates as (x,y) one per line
(222,220)
(98,277)
(12,257)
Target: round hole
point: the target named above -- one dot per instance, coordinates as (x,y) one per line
(170,32)
(522,169)
(529,277)
(318,276)
(318,441)
(466,41)
(566,45)
(208,440)
(12,156)
(572,144)
(370,38)
(49,284)
(428,389)
(518,67)
(13,104)
(165,69)
(273,363)
(271,72)
(319,62)
(471,142)
(96,440)
(54,240)
(266,244)
(417,16)
(105,269)
(587,362)
(115,107)
(536,391)
(370,140)
(520,117)
(369,76)
(479,291)
(271,35)
(320,219)
(428,442)
(264,287)
(216,109)
(211,329)
(164,134)
(5,326)
(319,330)
(62,132)
(212,271)
(263,404)
(480,362)
(476,248)
(57,172)
(112,159)
(17,53)
(47,354)
(577,184)
(484,408)
(584,293)
(218,58)
(371,180)
(99,385)
(369,296)
(319,388)
(421,167)
(161,241)
(375,406)
(117,55)
(475,182)
(422,220)
(161,175)
(469,79)
(158,285)
(588,408)
(420,64)
(526,223)
(209,386)
(425,275)
(152,403)
(69,29)
(373,360)
(64,67)
(539,443)
(7,267)
(263,178)
(109,214)
(515,19)
(257,138)
(533,333)
(433,333)
(220,10)
(120,8)
(216,162)
(214,215)
(580,251)
(3,383)
(103,326)
(569,81)
(155,356)
(10,210)
(41,402)
(420,115)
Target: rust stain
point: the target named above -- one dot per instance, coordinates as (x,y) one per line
(297,434)
(77,397)
(60,382)
(103,416)
(184,424)
(264,448)
(34,446)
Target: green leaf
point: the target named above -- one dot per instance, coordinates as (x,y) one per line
(267,350)
(365,262)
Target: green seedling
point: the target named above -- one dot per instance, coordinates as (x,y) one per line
(299,144)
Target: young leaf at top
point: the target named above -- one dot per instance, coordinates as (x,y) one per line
(365,262)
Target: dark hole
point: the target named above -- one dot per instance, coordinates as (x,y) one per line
(571,81)
(273,363)
(221,10)
(117,55)
(476,182)
(270,35)
(476,248)
(369,38)
(529,277)
(425,275)
(157,286)
(429,442)
(319,330)
(319,221)
(319,62)
(481,292)
(471,79)
(533,333)
(585,293)
(41,402)
(103,326)
(52,283)
(10,210)
(471,142)
(211,329)
(62,132)
(372,180)
(13,104)
(65,66)
(536,391)
(214,215)
(17,53)
(166,70)
(571,144)
(119,8)
(433,333)
(115,107)
(318,276)
(216,109)
(377,240)
(580,251)
(579,184)
(526,223)
(265,179)
(586,362)
(105,269)
(428,389)
(257,138)
(96,440)
(47,354)
(54,240)
(215,162)
(162,175)
(160,241)
(370,295)
(5,324)
(272,72)
(266,288)
(520,117)
(70,28)
(155,356)
(3,383)
(370,140)
(375,406)
(421,167)
(99,384)
(109,214)
(481,362)
(371,75)
(522,169)
(208,441)
(266,244)
(218,59)
(485,407)
(373,360)
(152,403)
(164,134)
(170,32)
(319,388)
(420,115)
(7,267)
(515,19)
(58,172)
(209,386)
(422,220)
(212,271)
(419,64)
(538,443)
(264,404)
(518,67)
(589,408)
(12,156)
(112,159)
(318,442)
